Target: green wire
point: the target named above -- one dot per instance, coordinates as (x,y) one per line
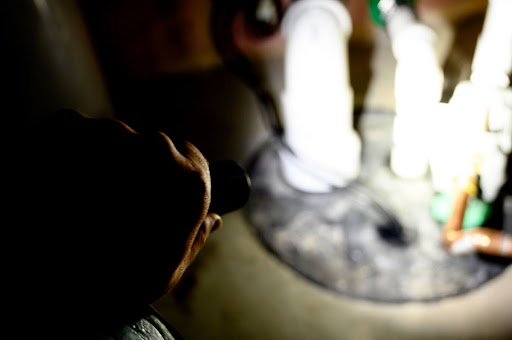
(476,214)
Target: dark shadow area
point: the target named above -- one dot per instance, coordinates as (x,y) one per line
(210,107)
(360,56)
(457,66)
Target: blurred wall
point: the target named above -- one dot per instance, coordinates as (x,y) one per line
(51,61)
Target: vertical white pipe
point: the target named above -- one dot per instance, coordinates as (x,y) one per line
(317,100)
(485,100)
(492,60)
(418,89)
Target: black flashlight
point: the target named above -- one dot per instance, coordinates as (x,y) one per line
(231,186)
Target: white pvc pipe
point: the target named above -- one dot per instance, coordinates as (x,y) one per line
(492,61)
(317,100)
(485,100)
(418,89)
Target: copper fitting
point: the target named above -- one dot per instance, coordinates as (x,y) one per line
(483,240)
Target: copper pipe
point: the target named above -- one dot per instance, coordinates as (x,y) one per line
(483,240)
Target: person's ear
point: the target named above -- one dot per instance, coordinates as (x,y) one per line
(211,223)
